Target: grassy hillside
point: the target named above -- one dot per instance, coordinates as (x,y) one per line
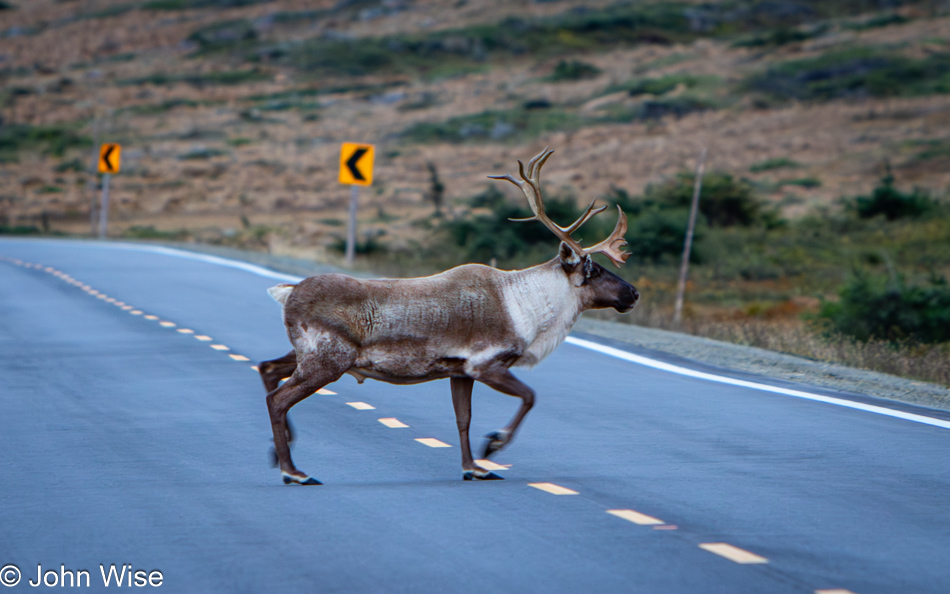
(822,121)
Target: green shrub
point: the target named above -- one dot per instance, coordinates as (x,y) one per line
(150,232)
(858,72)
(19,230)
(893,204)
(657,235)
(51,139)
(781,36)
(202,153)
(493,125)
(776,163)
(657,109)
(481,237)
(724,201)
(371,243)
(872,307)
(882,20)
(224,35)
(574,70)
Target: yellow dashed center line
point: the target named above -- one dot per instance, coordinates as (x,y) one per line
(127,307)
(553,489)
(167,324)
(635,517)
(361,406)
(136,312)
(220,347)
(734,554)
(834,591)
(489,465)
(238,357)
(203,337)
(186,331)
(432,442)
(256,368)
(392,423)
(325,392)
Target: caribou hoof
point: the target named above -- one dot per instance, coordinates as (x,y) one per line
(291,479)
(496,441)
(481,475)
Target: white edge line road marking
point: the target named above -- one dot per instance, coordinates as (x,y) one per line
(603,349)
(553,489)
(635,517)
(613,352)
(734,554)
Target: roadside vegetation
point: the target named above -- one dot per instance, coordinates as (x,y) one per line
(885,301)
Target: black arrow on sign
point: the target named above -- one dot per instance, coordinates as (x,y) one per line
(106,155)
(353,160)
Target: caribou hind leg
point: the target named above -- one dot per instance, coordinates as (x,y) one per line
(312,373)
(277,369)
(462,400)
(501,379)
(272,372)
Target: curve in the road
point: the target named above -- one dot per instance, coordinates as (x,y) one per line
(587,344)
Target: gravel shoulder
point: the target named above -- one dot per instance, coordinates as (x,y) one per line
(756,361)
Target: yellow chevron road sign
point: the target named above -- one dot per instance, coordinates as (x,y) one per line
(356,164)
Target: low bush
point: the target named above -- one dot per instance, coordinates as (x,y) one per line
(724,200)
(574,70)
(223,35)
(51,139)
(888,201)
(150,232)
(776,163)
(878,307)
(860,72)
(493,125)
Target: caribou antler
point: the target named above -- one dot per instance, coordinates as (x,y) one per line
(612,247)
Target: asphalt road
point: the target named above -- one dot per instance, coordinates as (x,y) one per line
(124,441)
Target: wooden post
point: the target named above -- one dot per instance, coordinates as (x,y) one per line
(688,243)
(351,230)
(91,181)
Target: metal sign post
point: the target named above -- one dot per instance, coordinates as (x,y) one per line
(108,164)
(356,169)
(104,207)
(351,228)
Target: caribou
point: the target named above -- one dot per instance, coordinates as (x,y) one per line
(470,323)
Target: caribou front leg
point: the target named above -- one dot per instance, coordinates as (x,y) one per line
(499,378)
(462,401)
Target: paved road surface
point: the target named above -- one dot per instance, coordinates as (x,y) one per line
(124,441)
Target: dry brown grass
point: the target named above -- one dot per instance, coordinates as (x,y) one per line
(789,333)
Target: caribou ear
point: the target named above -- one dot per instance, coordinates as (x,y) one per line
(569,258)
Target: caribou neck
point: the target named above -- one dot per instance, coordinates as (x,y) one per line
(543,307)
